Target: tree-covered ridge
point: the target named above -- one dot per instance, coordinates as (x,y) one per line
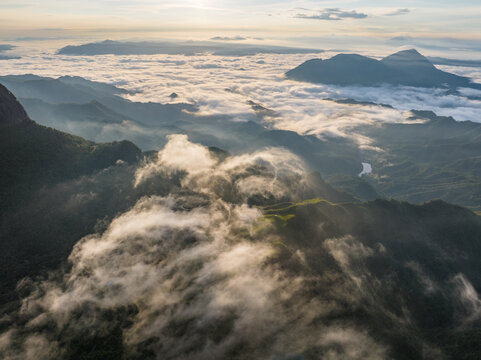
(197,253)
(436,158)
(49,155)
(35,160)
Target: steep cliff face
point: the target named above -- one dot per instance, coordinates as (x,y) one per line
(11,112)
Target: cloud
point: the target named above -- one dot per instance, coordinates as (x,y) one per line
(193,158)
(467,297)
(203,81)
(399,12)
(205,174)
(331,14)
(429,284)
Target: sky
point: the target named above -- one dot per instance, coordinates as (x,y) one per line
(273,19)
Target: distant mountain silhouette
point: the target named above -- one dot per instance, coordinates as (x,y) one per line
(406,67)
(93,111)
(65,89)
(177,48)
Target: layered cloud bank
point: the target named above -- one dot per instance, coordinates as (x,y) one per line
(220,85)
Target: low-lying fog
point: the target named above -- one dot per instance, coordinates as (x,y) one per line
(225,84)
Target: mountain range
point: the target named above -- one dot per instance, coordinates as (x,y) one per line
(407,67)
(86,108)
(188,48)
(382,279)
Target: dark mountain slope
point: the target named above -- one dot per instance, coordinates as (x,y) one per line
(406,260)
(49,155)
(35,160)
(406,275)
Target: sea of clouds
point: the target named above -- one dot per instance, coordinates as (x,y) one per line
(225,84)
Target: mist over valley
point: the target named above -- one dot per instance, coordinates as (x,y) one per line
(239,195)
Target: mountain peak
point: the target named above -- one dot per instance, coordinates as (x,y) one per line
(11,112)
(412,52)
(347,56)
(410,57)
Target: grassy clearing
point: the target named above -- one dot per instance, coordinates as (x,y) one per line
(283,207)
(283,212)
